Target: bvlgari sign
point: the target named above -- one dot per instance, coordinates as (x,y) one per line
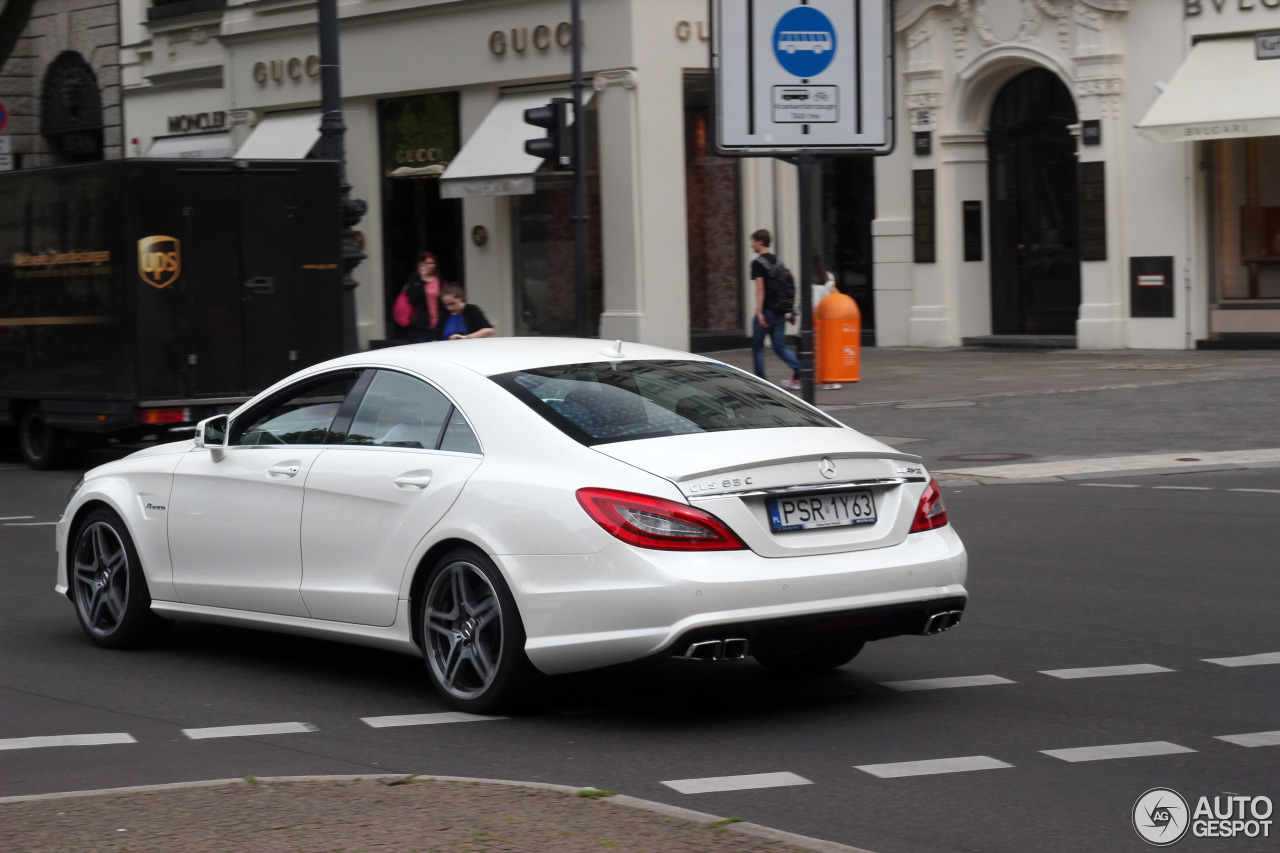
(1192,8)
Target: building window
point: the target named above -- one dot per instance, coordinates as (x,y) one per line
(716,277)
(544,266)
(1246,215)
(848,206)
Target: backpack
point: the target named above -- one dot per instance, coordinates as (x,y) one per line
(779,287)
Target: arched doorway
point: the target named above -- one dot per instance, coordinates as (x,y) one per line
(1035,247)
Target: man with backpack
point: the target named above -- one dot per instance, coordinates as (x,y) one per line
(775,299)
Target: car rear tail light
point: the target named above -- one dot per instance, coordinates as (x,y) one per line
(931,513)
(651,522)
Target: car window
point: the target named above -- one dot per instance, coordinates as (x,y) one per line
(458,435)
(301,417)
(604,402)
(400,411)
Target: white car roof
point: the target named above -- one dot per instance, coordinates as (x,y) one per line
(492,356)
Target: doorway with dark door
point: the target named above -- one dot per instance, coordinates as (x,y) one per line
(1035,246)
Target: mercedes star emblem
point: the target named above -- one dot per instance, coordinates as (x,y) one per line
(828,468)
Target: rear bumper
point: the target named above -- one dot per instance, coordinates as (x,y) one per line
(624,603)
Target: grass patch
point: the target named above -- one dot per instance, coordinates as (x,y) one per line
(593,794)
(717,824)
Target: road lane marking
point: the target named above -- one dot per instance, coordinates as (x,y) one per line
(933,767)
(30,523)
(1117,750)
(943,683)
(249,731)
(1184,488)
(67,740)
(1261,491)
(1189,459)
(425,719)
(16,517)
(748,782)
(1246,660)
(1253,739)
(1103,671)
(1113,485)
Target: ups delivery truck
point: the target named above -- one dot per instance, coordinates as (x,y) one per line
(139,296)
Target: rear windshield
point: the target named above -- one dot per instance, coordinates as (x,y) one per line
(604,402)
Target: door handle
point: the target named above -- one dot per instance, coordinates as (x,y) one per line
(261,286)
(413,481)
(288,469)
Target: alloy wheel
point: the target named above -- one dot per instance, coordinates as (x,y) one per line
(464,630)
(101,575)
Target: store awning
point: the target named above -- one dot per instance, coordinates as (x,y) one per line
(493,162)
(282,136)
(1221,91)
(200,146)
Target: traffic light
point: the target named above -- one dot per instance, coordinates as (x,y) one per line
(557,146)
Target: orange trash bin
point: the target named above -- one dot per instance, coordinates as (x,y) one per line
(837,339)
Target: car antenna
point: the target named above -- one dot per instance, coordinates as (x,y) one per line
(614,353)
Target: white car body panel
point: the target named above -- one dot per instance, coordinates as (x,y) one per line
(234,528)
(367,508)
(334,550)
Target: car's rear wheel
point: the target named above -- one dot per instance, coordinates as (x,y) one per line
(108,587)
(812,658)
(472,636)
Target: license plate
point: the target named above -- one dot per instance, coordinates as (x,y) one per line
(839,509)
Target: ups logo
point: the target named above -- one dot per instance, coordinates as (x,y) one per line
(159,260)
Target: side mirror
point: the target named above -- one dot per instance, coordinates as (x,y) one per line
(211,434)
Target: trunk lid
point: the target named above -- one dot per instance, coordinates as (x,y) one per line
(811,479)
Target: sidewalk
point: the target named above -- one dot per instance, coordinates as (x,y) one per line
(900,374)
(374,814)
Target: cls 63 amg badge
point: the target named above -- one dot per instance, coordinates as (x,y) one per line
(159,260)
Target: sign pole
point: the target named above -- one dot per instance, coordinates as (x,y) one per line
(581,257)
(805,162)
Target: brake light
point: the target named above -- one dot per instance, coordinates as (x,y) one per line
(657,523)
(931,514)
(164,416)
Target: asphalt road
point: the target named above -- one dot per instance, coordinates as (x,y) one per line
(1157,574)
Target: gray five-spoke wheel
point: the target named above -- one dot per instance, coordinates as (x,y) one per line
(101,574)
(464,629)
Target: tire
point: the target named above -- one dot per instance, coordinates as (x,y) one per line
(108,587)
(812,659)
(42,446)
(472,635)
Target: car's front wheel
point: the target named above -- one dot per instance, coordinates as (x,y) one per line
(472,636)
(108,587)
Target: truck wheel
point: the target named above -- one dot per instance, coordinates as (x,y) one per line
(42,446)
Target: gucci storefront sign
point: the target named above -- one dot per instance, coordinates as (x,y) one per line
(278,70)
(541,37)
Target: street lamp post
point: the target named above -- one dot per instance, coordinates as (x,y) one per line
(581,255)
(332,129)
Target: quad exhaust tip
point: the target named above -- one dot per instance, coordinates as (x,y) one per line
(731,649)
(941,621)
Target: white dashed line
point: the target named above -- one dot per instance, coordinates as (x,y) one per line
(1118,750)
(1261,491)
(424,719)
(933,767)
(1254,739)
(1246,660)
(30,523)
(1184,488)
(1103,671)
(1085,467)
(1112,485)
(67,740)
(943,683)
(249,731)
(749,782)
(16,517)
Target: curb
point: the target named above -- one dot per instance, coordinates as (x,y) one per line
(817,845)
